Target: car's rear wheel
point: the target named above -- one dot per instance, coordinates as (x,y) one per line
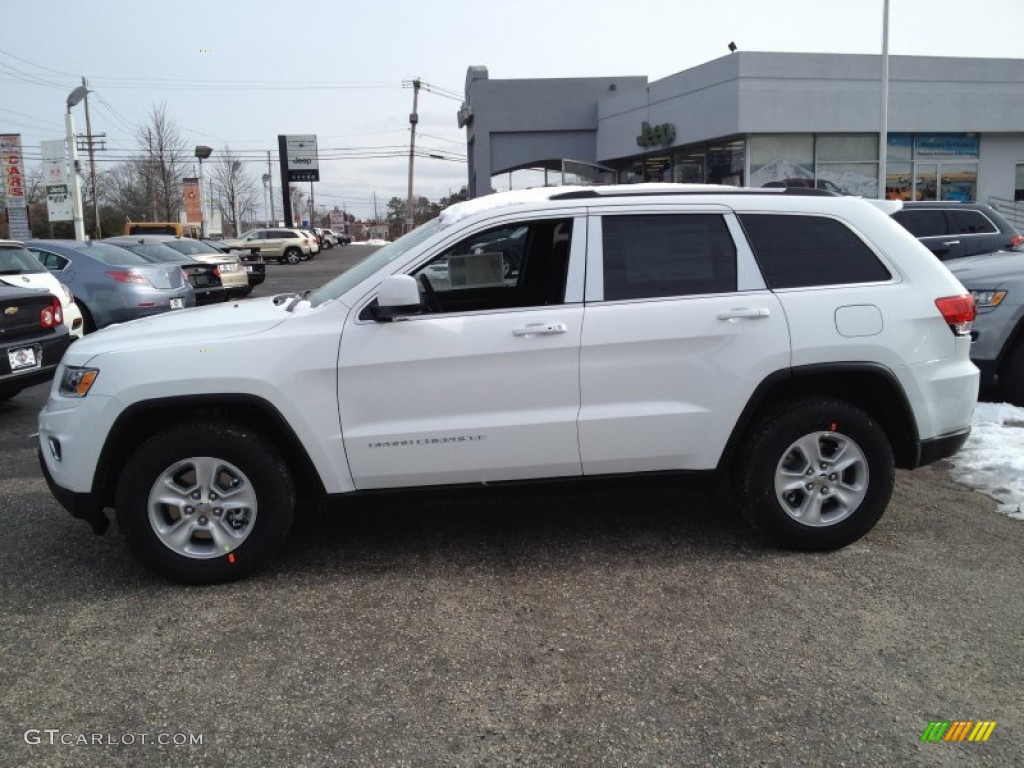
(88,324)
(293,255)
(1011,375)
(815,474)
(204,503)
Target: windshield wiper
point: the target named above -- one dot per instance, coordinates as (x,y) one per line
(297,298)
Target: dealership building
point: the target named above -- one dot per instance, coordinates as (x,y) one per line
(954,126)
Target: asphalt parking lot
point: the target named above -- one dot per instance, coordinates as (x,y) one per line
(621,624)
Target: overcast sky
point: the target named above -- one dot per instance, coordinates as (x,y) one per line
(240,73)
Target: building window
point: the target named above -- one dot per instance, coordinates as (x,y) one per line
(932,166)
(781,159)
(725,162)
(842,163)
(1018,187)
(848,162)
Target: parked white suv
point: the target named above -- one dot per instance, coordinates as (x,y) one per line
(803,342)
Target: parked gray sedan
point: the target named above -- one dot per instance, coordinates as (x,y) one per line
(112,284)
(996,280)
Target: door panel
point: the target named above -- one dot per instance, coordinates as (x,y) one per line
(663,378)
(664,382)
(468,398)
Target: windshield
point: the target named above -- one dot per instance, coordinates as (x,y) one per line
(351,277)
(18,261)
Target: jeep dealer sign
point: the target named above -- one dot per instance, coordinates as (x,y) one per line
(298,155)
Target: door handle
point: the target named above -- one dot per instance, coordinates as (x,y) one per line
(540,329)
(743,312)
(951,242)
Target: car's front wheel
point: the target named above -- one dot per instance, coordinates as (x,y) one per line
(815,474)
(1011,375)
(293,255)
(205,502)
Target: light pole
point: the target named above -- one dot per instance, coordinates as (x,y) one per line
(235,167)
(76,189)
(266,209)
(202,153)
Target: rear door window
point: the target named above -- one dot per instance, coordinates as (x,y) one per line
(657,255)
(924,222)
(796,251)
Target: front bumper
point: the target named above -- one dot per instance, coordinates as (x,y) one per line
(81,505)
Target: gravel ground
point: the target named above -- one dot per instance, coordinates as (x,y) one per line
(623,624)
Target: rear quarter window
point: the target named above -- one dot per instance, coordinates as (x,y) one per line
(796,251)
(970,222)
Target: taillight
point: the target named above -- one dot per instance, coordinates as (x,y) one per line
(128,276)
(51,316)
(216,271)
(959,312)
(1017,241)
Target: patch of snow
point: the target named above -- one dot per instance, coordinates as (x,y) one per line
(992,459)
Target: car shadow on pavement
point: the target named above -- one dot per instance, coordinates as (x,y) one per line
(638,520)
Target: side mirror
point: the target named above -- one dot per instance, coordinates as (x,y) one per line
(398,295)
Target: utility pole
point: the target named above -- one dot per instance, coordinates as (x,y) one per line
(92,161)
(413,119)
(270,179)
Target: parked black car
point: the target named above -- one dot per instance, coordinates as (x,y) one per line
(33,338)
(952,230)
(255,266)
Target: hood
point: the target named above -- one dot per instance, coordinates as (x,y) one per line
(988,270)
(174,328)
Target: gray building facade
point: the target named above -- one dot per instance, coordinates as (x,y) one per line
(955,125)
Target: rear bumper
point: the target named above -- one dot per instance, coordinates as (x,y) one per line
(51,349)
(930,451)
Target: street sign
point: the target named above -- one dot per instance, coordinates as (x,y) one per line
(12,174)
(59,205)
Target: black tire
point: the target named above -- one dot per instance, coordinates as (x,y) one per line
(252,480)
(88,324)
(1011,375)
(848,501)
(293,255)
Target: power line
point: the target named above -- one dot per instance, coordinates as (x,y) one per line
(38,66)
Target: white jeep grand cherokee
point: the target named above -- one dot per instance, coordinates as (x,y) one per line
(804,342)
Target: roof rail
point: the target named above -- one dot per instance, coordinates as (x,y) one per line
(580,194)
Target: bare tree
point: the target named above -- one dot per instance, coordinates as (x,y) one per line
(234,190)
(163,164)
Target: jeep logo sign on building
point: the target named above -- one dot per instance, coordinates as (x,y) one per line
(656,135)
(299,158)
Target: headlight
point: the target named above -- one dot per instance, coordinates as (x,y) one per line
(988,298)
(76,382)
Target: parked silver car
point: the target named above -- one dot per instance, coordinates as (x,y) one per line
(996,280)
(111,284)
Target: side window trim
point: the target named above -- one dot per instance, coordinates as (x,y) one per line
(748,273)
(39,253)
